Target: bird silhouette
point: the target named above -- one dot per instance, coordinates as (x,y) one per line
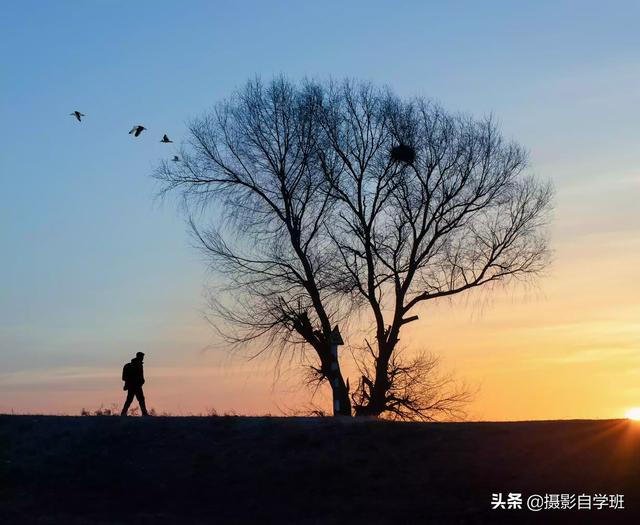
(78,115)
(175,158)
(136,130)
(166,139)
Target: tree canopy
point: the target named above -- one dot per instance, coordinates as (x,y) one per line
(341,198)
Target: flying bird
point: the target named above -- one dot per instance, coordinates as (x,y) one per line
(78,115)
(175,158)
(136,130)
(166,139)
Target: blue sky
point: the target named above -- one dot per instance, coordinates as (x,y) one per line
(93,268)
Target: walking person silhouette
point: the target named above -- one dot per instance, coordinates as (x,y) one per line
(133,378)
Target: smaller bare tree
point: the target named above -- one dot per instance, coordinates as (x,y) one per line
(419,390)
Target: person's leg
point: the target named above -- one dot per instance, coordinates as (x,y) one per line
(140,397)
(127,403)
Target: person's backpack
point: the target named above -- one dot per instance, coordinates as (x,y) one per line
(126,374)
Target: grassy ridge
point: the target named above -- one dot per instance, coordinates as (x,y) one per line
(197,470)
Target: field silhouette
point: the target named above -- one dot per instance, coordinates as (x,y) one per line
(201,470)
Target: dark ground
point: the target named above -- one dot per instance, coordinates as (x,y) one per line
(217,470)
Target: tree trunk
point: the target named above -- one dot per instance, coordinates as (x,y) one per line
(341,401)
(378,389)
(340,391)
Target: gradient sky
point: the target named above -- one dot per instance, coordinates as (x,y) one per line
(92,269)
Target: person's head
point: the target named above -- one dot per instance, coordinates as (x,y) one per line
(139,356)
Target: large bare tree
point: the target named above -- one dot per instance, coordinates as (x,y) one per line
(338,198)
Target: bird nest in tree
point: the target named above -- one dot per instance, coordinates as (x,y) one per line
(403,153)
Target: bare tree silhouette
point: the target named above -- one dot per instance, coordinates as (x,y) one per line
(428,205)
(418,390)
(256,155)
(340,198)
